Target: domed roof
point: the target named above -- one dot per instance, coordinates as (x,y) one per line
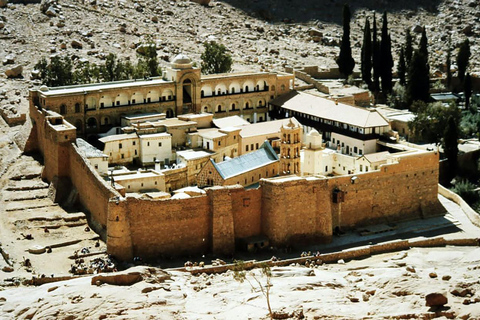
(181,61)
(313,132)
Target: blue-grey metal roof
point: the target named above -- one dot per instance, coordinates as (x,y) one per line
(247,162)
(444,96)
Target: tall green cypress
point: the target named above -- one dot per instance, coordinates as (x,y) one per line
(408,47)
(450,145)
(418,82)
(376,57)
(345,61)
(462,59)
(423,46)
(402,67)
(367,54)
(386,58)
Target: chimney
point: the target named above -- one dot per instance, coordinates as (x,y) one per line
(157,165)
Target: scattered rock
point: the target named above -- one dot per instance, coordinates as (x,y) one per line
(411,269)
(7,269)
(52,289)
(435,299)
(417,28)
(76,44)
(10,59)
(462,289)
(51,12)
(432,275)
(446,277)
(14,72)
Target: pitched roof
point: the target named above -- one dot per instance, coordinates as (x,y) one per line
(263,156)
(327,109)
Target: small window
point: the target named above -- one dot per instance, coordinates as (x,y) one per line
(96,166)
(119,146)
(246,148)
(148,144)
(219,143)
(123,156)
(256,146)
(159,144)
(133,143)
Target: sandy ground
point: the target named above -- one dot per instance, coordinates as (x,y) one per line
(384,286)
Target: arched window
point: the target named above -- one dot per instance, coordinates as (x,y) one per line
(246,88)
(202,93)
(77,107)
(219,108)
(233,106)
(205,109)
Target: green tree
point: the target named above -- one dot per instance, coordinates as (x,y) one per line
(215,58)
(386,58)
(240,274)
(467,89)
(431,120)
(450,145)
(367,54)
(376,57)
(408,47)
(463,58)
(402,67)
(418,83)
(150,60)
(56,73)
(109,68)
(423,46)
(345,60)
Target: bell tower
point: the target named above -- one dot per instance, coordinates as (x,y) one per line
(291,132)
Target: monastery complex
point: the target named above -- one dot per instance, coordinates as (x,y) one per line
(190,164)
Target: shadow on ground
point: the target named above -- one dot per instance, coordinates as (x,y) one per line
(327,11)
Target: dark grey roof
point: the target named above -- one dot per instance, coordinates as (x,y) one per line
(256,159)
(88,150)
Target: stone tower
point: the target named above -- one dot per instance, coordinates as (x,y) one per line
(290,147)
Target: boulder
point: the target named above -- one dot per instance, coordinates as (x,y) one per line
(313,32)
(435,299)
(202,2)
(76,44)
(14,72)
(462,289)
(10,59)
(51,12)
(417,28)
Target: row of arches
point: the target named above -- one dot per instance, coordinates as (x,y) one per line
(234,106)
(124,99)
(235,88)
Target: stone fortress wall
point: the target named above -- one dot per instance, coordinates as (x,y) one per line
(288,210)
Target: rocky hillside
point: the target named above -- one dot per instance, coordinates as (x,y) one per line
(260,34)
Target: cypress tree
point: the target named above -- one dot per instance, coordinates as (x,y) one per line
(408,47)
(376,57)
(402,68)
(418,82)
(450,146)
(345,61)
(386,57)
(462,59)
(468,91)
(367,54)
(423,46)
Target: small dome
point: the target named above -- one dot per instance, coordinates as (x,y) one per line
(181,62)
(314,132)
(44,88)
